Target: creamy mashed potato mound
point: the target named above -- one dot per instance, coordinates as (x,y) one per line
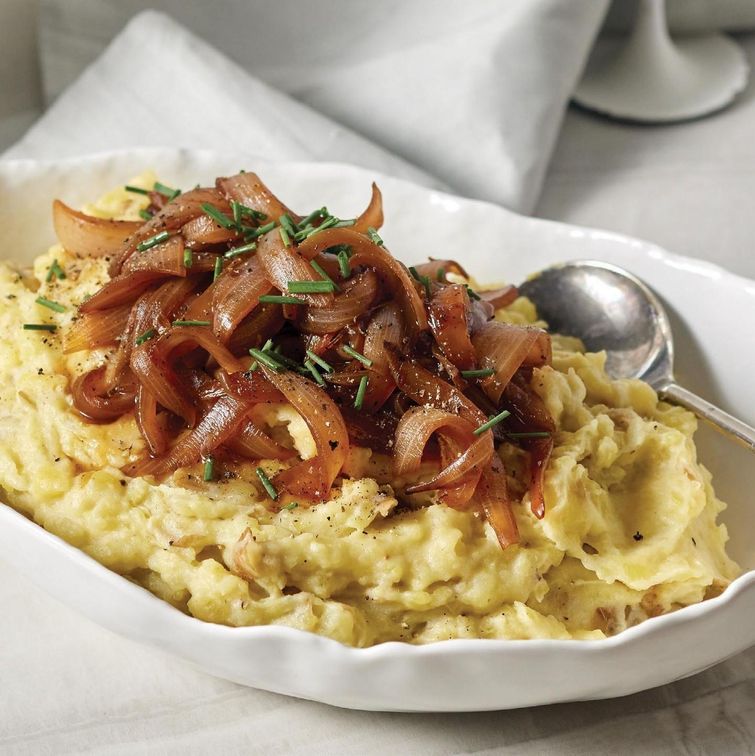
(630,528)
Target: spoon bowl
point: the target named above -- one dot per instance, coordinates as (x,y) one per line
(611,310)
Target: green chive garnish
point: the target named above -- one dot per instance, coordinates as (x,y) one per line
(218,268)
(490,423)
(311,287)
(321,212)
(414,273)
(153,241)
(284,236)
(425,281)
(268,486)
(532,434)
(472,293)
(249,213)
(188,258)
(363,381)
(145,215)
(319,269)
(279,299)
(237,213)
(146,336)
(441,274)
(482,373)
(287,223)
(345,223)
(374,236)
(366,361)
(178,323)
(167,191)
(55,270)
(266,359)
(40,327)
(343,263)
(329,222)
(209,469)
(136,189)
(291,506)
(50,304)
(217,216)
(255,232)
(315,372)
(320,361)
(236,251)
(287,361)
(301,235)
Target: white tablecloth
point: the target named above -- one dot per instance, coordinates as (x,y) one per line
(688,187)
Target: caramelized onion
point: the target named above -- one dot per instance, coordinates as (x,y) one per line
(96,329)
(492,496)
(501,297)
(89,236)
(358,294)
(250,191)
(389,269)
(91,399)
(505,348)
(372,217)
(313,478)
(449,308)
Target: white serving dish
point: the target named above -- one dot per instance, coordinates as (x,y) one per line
(712,311)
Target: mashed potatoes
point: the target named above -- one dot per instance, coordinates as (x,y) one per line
(630,528)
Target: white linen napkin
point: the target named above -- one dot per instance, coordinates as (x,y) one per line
(467,97)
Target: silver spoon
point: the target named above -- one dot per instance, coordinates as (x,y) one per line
(609,308)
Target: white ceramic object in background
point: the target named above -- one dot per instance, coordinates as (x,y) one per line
(655,79)
(459,675)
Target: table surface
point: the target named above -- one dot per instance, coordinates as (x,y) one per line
(688,187)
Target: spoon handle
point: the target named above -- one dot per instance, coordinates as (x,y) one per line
(725,422)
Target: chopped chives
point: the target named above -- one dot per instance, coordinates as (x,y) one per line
(343,263)
(254,233)
(531,434)
(441,274)
(301,235)
(136,189)
(472,293)
(286,360)
(329,222)
(209,469)
(315,372)
(482,373)
(188,258)
(55,270)
(345,223)
(320,361)
(218,268)
(361,391)
(287,223)
(145,215)
(291,506)
(425,281)
(279,299)
(250,213)
(266,484)
(166,191)
(40,327)
(414,273)
(319,269)
(146,336)
(491,422)
(265,358)
(217,216)
(336,248)
(366,361)
(321,212)
(237,213)
(153,241)
(50,304)
(374,236)
(284,236)
(311,287)
(236,251)
(191,322)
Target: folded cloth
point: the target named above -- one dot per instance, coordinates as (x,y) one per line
(471,96)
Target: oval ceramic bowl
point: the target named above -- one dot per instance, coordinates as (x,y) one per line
(712,312)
